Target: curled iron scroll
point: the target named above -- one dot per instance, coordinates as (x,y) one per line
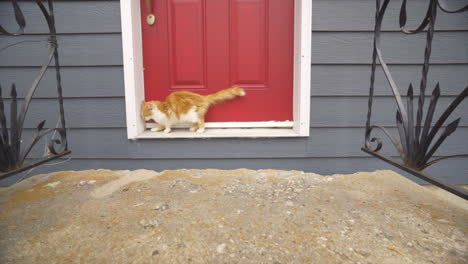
(416,135)
(61,142)
(19,17)
(12,151)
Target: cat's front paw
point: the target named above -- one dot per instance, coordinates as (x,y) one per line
(167,130)
(157,128)
(201,130)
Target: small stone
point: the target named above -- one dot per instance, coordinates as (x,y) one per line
(52,184)
(81,183)
(409,244)
(161,207)
(444,221)
(149,224)
(91,181)
(221,248)
(181,245)
(363,253)
(156,252)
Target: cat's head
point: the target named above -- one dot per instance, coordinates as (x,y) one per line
(147,109)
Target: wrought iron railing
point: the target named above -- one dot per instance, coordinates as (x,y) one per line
(13,152)
(419,138)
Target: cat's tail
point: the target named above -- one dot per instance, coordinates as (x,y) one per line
(223,95)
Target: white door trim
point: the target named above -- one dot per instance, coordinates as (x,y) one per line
(134,82)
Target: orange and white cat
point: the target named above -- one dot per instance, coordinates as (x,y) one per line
(185,107)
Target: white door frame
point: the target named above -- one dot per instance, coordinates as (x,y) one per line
(135,92)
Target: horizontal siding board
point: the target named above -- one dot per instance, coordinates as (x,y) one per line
(74,50)
(359,15)
(347,142)
(91,112)
(324,142)
(354,80)
(328,48)
(356,47)
(324,166)
(79,112)
(325,112)
(70,17)
(113,143)
(104,16)
(352,111)
(327,80)
(77,82)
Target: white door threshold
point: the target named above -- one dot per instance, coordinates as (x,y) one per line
(261,124)
(222,133)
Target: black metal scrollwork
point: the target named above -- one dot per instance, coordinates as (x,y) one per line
(12,155)
(417,143)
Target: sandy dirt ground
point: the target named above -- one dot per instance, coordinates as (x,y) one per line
(229,216)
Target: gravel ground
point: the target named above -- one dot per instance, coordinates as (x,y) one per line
(235,216)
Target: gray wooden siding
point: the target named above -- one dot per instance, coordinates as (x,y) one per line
(91,55)
(327,111)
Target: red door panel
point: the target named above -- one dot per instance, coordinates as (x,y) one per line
(208,45)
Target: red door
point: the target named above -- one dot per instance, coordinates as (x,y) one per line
(204,46)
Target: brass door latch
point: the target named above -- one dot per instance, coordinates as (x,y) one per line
(150,18)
